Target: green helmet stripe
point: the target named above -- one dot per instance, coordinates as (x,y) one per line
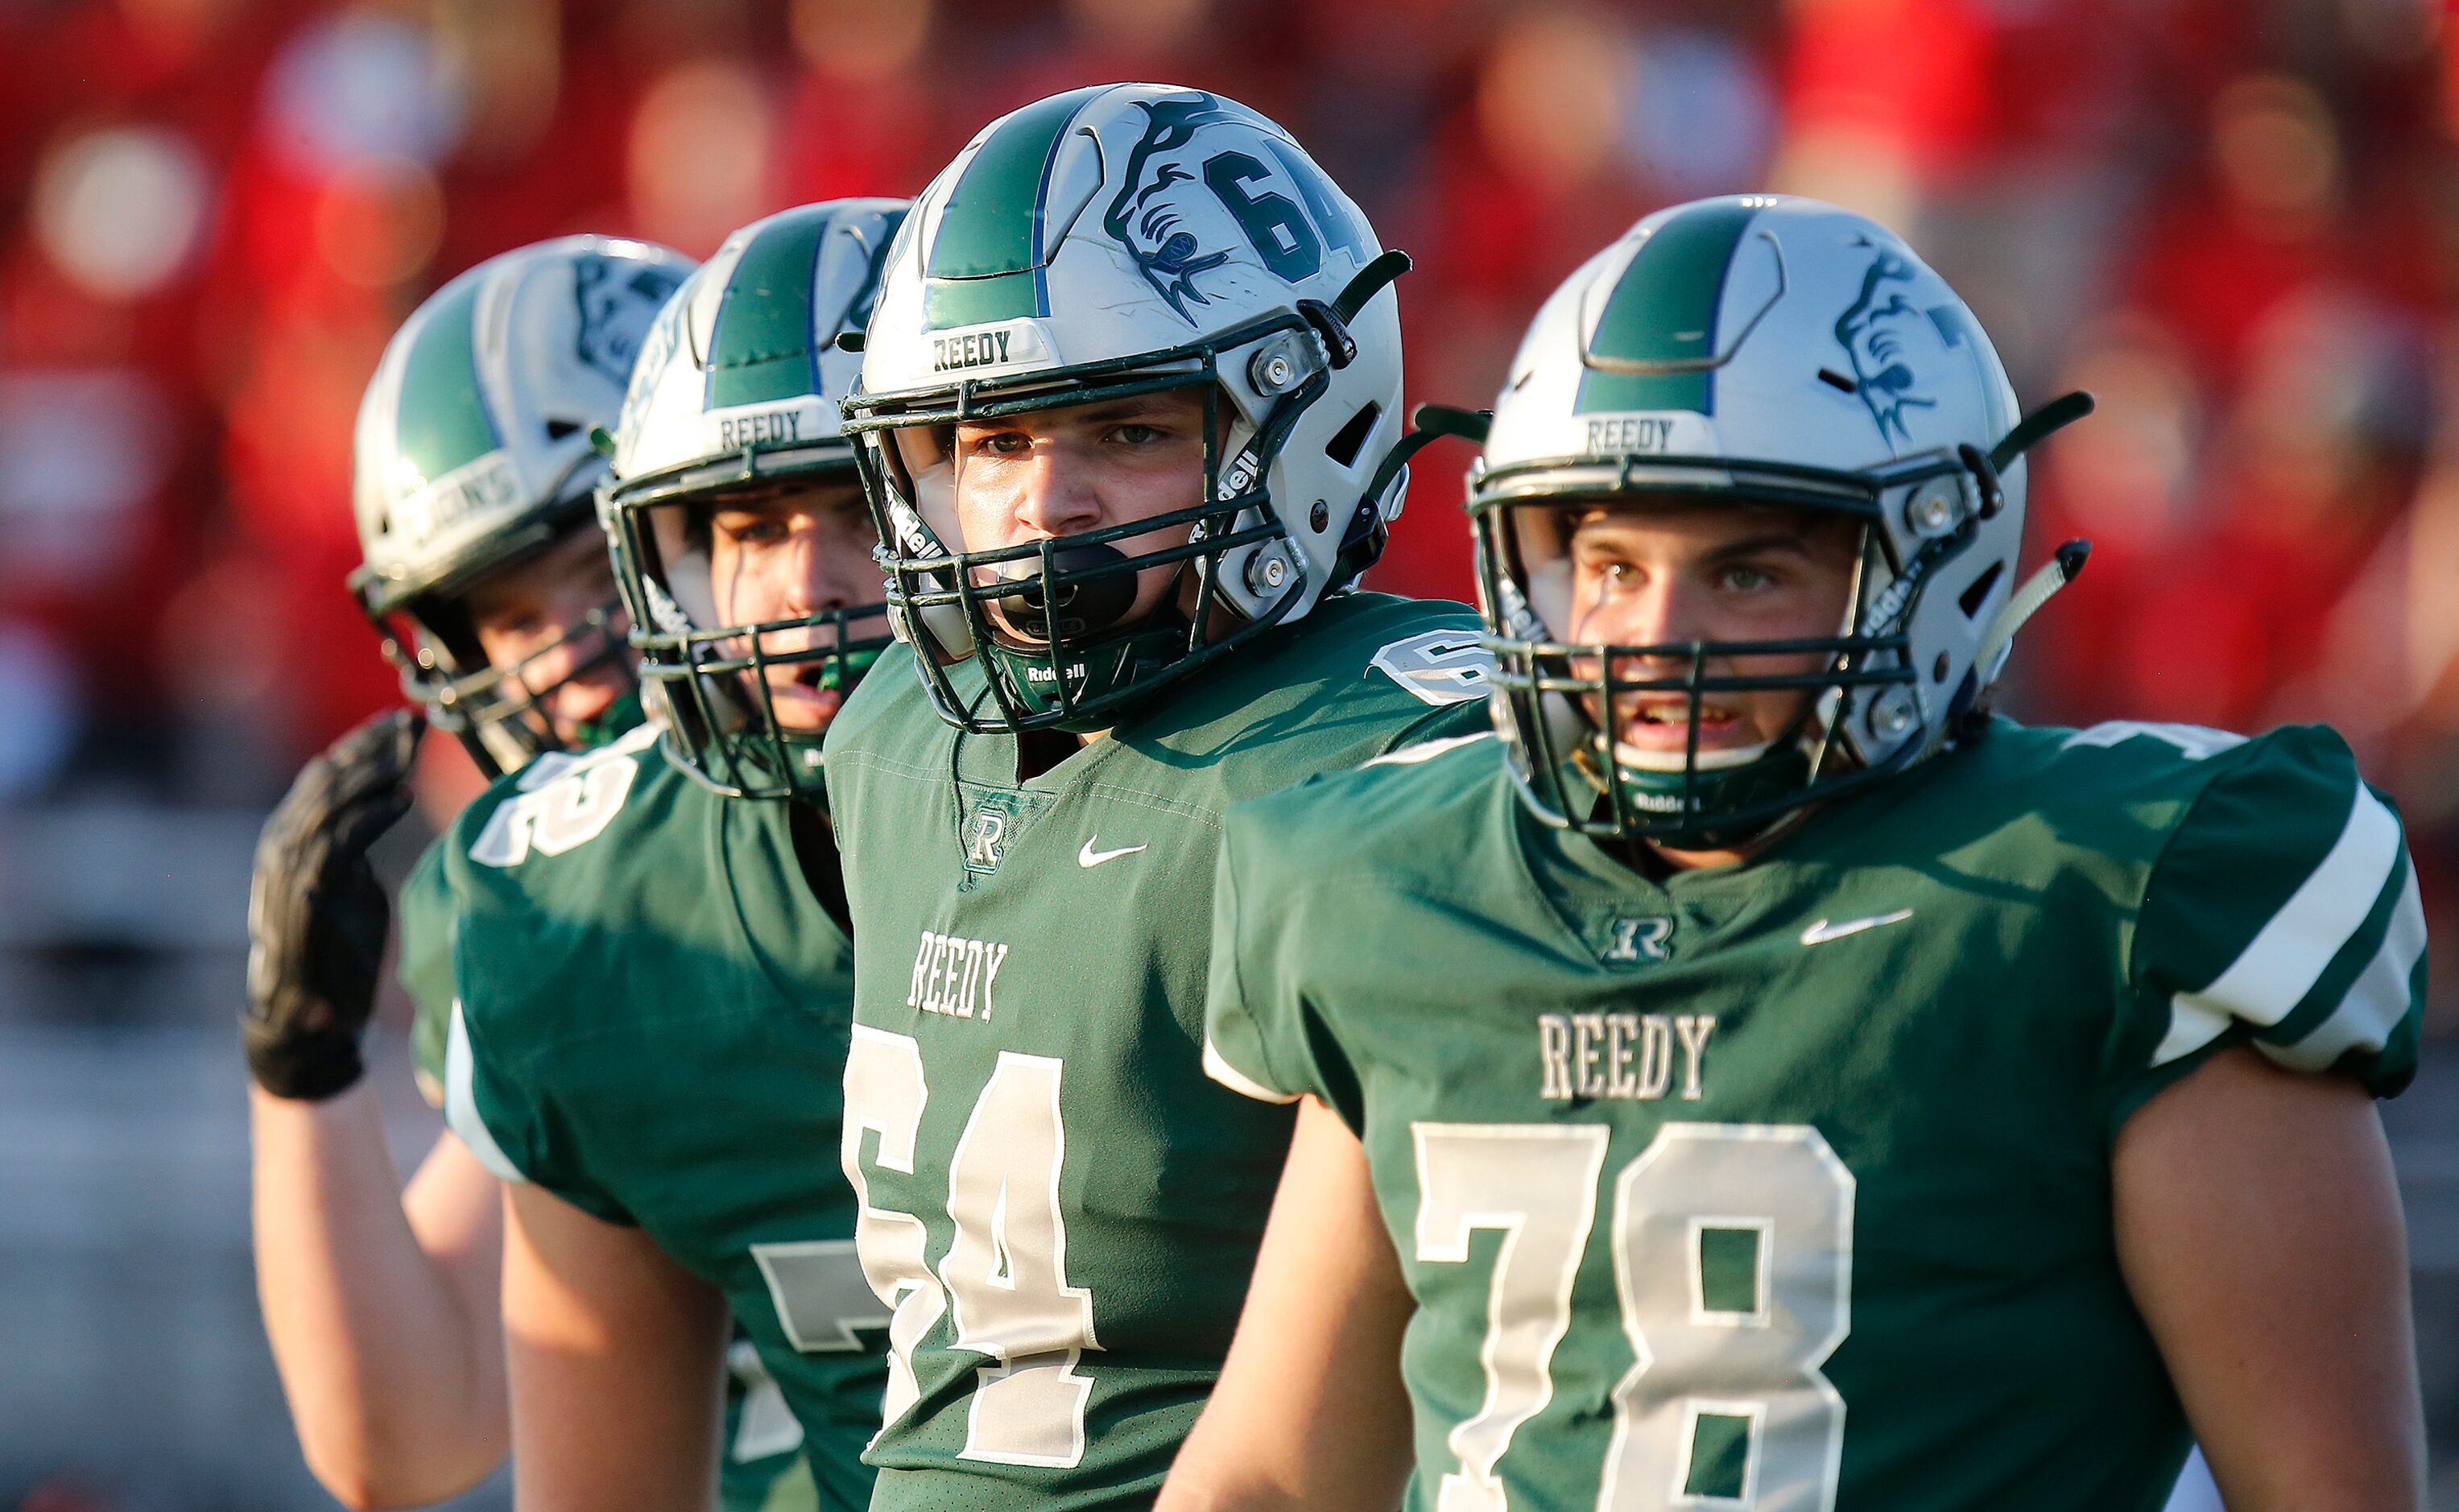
(985,253)
(441,421)
(1664,311)
(760,348)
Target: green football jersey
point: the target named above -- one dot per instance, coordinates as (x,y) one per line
(652,1025)
(423,924)
(1786,1184)
(1061,1207)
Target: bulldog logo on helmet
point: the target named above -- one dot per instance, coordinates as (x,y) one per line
(1151,215)
(604,290)
(1888,337)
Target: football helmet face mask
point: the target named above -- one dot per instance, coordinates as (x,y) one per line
(1098,245)
(734,404)
(472,456)
(1763,352)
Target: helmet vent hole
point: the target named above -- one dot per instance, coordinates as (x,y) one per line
(1343,446)
(1978,594)
(1937,668)
(558,427)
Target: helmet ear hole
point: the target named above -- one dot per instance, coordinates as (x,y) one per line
(1974,597)
(558,427)
(1343,446)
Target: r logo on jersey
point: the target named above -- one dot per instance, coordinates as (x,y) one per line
(2192,742)
(990,831)
(1630,941)
(988,841)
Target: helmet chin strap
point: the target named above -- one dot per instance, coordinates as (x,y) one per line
(2062,569)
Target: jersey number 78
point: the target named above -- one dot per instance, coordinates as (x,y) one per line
(1731,1247)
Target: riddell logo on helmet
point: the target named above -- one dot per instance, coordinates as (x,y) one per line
(1240,474)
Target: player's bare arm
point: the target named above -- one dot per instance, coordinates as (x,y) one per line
(615,1357)
(2240,1186)
(380,1305)
(1309,1411)
(380,1302)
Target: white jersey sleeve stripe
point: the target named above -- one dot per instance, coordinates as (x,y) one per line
(461,1104)
(1428,750)
(1237,1081)
(2280,966)
(2376,1001)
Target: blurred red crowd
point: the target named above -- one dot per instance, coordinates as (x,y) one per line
(2234,220)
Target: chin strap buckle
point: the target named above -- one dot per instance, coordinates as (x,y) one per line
(1331,322)
(1341,348)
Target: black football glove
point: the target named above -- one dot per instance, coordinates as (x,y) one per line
(316,916)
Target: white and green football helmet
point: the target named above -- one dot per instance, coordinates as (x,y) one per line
(736,396)
(1760,350)
(473,453)
(1100,243)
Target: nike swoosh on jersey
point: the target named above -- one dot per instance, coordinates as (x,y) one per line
(1821,932)
(1088,857)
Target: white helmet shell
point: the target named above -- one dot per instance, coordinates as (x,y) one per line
(1764,339)
(1127,223)
(479,419)
(720,376)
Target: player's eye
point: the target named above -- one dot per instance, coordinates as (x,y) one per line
(1136,433)
(751,530)
(1746,577)
(994,443)
(1611,573)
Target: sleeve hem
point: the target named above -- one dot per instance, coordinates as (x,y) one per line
(1219,1069)
(2131,1098)
(461,1105)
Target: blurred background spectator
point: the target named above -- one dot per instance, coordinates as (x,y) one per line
(2235,220)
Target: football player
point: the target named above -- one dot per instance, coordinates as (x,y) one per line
(1754,1076)
(654,969)
(486,578)
(1130,426)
